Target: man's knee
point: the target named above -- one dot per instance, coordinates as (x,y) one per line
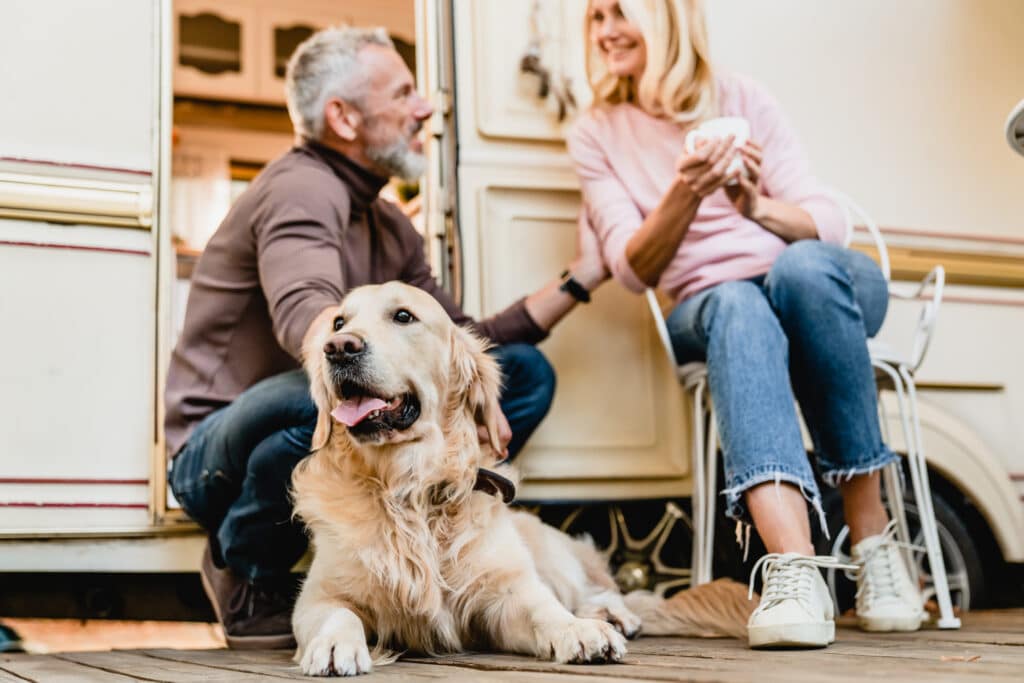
(528,392)
(527,372)
(272,462)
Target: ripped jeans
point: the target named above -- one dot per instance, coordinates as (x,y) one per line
(799,332)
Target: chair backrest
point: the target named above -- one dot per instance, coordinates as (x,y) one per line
(854,213)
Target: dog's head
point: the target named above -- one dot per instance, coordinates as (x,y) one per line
(391,367)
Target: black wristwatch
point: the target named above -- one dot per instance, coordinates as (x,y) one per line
(573,287)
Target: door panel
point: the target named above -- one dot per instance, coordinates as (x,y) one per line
(614,415)
(79,163)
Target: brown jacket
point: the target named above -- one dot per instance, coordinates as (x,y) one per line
(310,228)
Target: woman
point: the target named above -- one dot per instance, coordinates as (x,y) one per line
(764,293)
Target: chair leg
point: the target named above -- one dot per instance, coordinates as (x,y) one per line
(710,495)
(891,477)
(926,511)
(698,506)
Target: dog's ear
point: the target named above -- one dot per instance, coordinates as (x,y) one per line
(313,359)
(477,381)
(324,421)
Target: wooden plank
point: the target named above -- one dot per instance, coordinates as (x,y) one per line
(10,678)
(139,663)
(278,663)
(54,670)
(735,662)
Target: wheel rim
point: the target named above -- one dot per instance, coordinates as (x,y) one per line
(639,562)
(956,566)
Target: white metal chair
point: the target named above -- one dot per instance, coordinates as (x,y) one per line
(895,369)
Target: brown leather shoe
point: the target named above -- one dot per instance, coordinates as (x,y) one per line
(253,616)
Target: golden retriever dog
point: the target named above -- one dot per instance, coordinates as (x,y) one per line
(410,553)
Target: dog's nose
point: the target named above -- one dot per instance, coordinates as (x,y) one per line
(344,347)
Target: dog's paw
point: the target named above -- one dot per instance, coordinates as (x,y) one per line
(336,654)
(627,623)
(619,616)
(586,640)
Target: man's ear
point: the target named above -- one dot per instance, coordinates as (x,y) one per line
(477,380)
(342,118)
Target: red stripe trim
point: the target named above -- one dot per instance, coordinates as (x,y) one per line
(985,301)
(91,167)
(76,247)
(64,480)
(1017,476)
(119,506)
(967,237)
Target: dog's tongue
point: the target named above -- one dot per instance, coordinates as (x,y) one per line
(352,411)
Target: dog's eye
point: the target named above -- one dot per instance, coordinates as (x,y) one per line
(404,317)
(339,323)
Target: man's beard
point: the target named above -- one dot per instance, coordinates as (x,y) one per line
(398,159)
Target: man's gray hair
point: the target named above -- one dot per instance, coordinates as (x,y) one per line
(323,66)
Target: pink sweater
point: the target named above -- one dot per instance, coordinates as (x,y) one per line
(626,159)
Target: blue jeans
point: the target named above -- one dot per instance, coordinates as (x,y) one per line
(232,475)
(799,332)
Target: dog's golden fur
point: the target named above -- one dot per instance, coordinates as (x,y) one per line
(406,554)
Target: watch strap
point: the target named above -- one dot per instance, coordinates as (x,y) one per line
(573,287)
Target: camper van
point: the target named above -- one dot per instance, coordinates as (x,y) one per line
(128,126)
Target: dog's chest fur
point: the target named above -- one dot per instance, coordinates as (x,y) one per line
(422,579)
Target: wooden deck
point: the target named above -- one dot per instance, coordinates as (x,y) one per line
(990,647)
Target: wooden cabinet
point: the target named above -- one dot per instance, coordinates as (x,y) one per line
(239,51)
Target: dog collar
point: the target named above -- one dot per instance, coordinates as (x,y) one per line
(493,483)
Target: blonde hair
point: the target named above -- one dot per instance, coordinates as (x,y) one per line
(677,83)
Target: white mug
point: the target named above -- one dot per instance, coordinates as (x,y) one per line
(721,127)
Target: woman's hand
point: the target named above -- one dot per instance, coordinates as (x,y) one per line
(745,194)
(704,170)
(588,267)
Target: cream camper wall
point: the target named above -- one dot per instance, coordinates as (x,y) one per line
(901,104)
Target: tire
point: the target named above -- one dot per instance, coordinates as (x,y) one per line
(962,559)
(646,542)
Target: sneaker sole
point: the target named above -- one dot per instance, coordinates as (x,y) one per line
(890,624)
(273,642)
(792,635)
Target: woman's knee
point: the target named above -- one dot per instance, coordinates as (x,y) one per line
(805,264)
(528,373)
(737,306)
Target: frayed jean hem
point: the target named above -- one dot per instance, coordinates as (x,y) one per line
(737,509)
(834,476)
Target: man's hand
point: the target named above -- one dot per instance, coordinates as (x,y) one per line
(504,435)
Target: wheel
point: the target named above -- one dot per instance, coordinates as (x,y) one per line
(960,555)
(647,543)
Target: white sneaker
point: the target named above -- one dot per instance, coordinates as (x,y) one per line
(887,599)
(796,608)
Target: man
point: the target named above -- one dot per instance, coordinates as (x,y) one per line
(310,227)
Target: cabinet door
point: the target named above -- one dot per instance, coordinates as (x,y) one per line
(215,49)
(618,427)
(279,32)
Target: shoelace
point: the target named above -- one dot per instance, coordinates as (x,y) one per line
(879,567)
(785,576)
